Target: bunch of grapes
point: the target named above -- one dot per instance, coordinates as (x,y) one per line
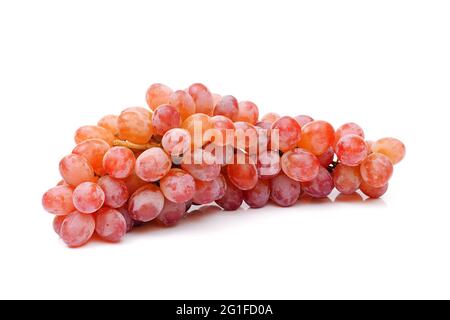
(193,147)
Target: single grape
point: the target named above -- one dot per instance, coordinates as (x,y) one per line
(232,199)
(178,186)
(351,150)
(135,125)
(284,191)
(327,158)
(317,137)
(392,148)
(300,165)
(248,112)
(228,107)
(204,102)
(246,137)
(376,170)
(153,164)
(373,192)
(76,169)
(157,95)
(259,195)
(116,191)
(88,197)
(172,213)
(270,117)
(124,211)
(197,125)
(216,98)
(146,203)
(222,131)
(93,150)
(201,165)
(243,173)
(58,200)
(223,154)
(346,129)
(346,179)
(183,102)
(57,223)
(268,165)
(119,162)
(176,141)
(321,186)
(93,132)
(110,224)
(208,191)
(133,182)
(165,118)
(110,123)
(302,120)
(77,228)
(285,134)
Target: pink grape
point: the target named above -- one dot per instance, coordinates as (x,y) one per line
(246,137)
(264,125)
(58,200)
(321,186)
(268,165)
(183,102)
(243,175)
(222,130)
(248,112)
(57,223)
(216,98)
(77,228)
(373,192)
(88,197)
(289,133)
(270,117)
(153,164)
(157,95)
(110,123)
(303,120)
(284,191)
(172,213)
(351,150)
(178,186)
(208,191)
(119,162)
(376,170)
(259,195)
(317,137)
(93,132)
(203,98)
(124,211)
(346,179)
(76,169)
(327,158)
(228,107)
(392,148)
(300,165)
(197,125)
(165,118)
(176,141)
(110,224)
(346,129)
(146,203)
(116,191)
(232,199)
(201,165)
(93,150)
(135,125)
(133,183)
(223,154)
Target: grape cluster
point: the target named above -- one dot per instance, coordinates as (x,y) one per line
(193,147)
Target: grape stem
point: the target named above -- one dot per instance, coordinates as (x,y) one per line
(134,146)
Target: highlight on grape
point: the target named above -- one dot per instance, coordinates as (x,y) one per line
(192,147)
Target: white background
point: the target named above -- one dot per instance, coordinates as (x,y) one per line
(382,64)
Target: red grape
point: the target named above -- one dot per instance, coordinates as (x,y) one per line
(326,158)
(58,200)
(119,162)
(270,117)
(373,192)
(222,131)
(57,223)
(93,132)
(197,125)
(243,174)
(346,129)
(268,164)
(116,191)
(321,186)
(208,191)
(93,150)
(317,137)
(259,195)
(172,213)
(346,179)
(146,203)
(300,165)
(232,199)
(376,170)
(110,224)
(176,141)
(88,197)
(165,118)
(183,102)
(135,125)
(248,112)
(77,228)
(203,99)
(178,186)
(201,165)
(288,133)
(228,107)
(392,148)
(110,123)
(76,169)
(303,120)
(351,150)
(284,191)
(157,95)
(153,164)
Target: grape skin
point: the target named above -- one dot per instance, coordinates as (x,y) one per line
(289,134)
(376,170)
(111,123)
(351,150)
(204,102)
(183,102)
(300,165)
(57,223)
(116,191)
(373,192)
(93,150)
(347,180)
(284,191)
(165,118)
(317,137)
(392,148)
(110,224)
(178,186)
(135,125)
(228,107)
(248,112)
(119,162)
(172,213)
(321,186)
(233,197)
(268,165)
(201,165)
(243,176)
(176,141)
(76,169)
(259,195)
(153,164)
(157,95)
(270,117)
(222,131)
(197,125)
(246,137)
(58,200)
(208,191)
(327,158)
(124,211)
(146,203)
(77,228)
(346,129)
(88,197)
(93,132)
(302,120)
